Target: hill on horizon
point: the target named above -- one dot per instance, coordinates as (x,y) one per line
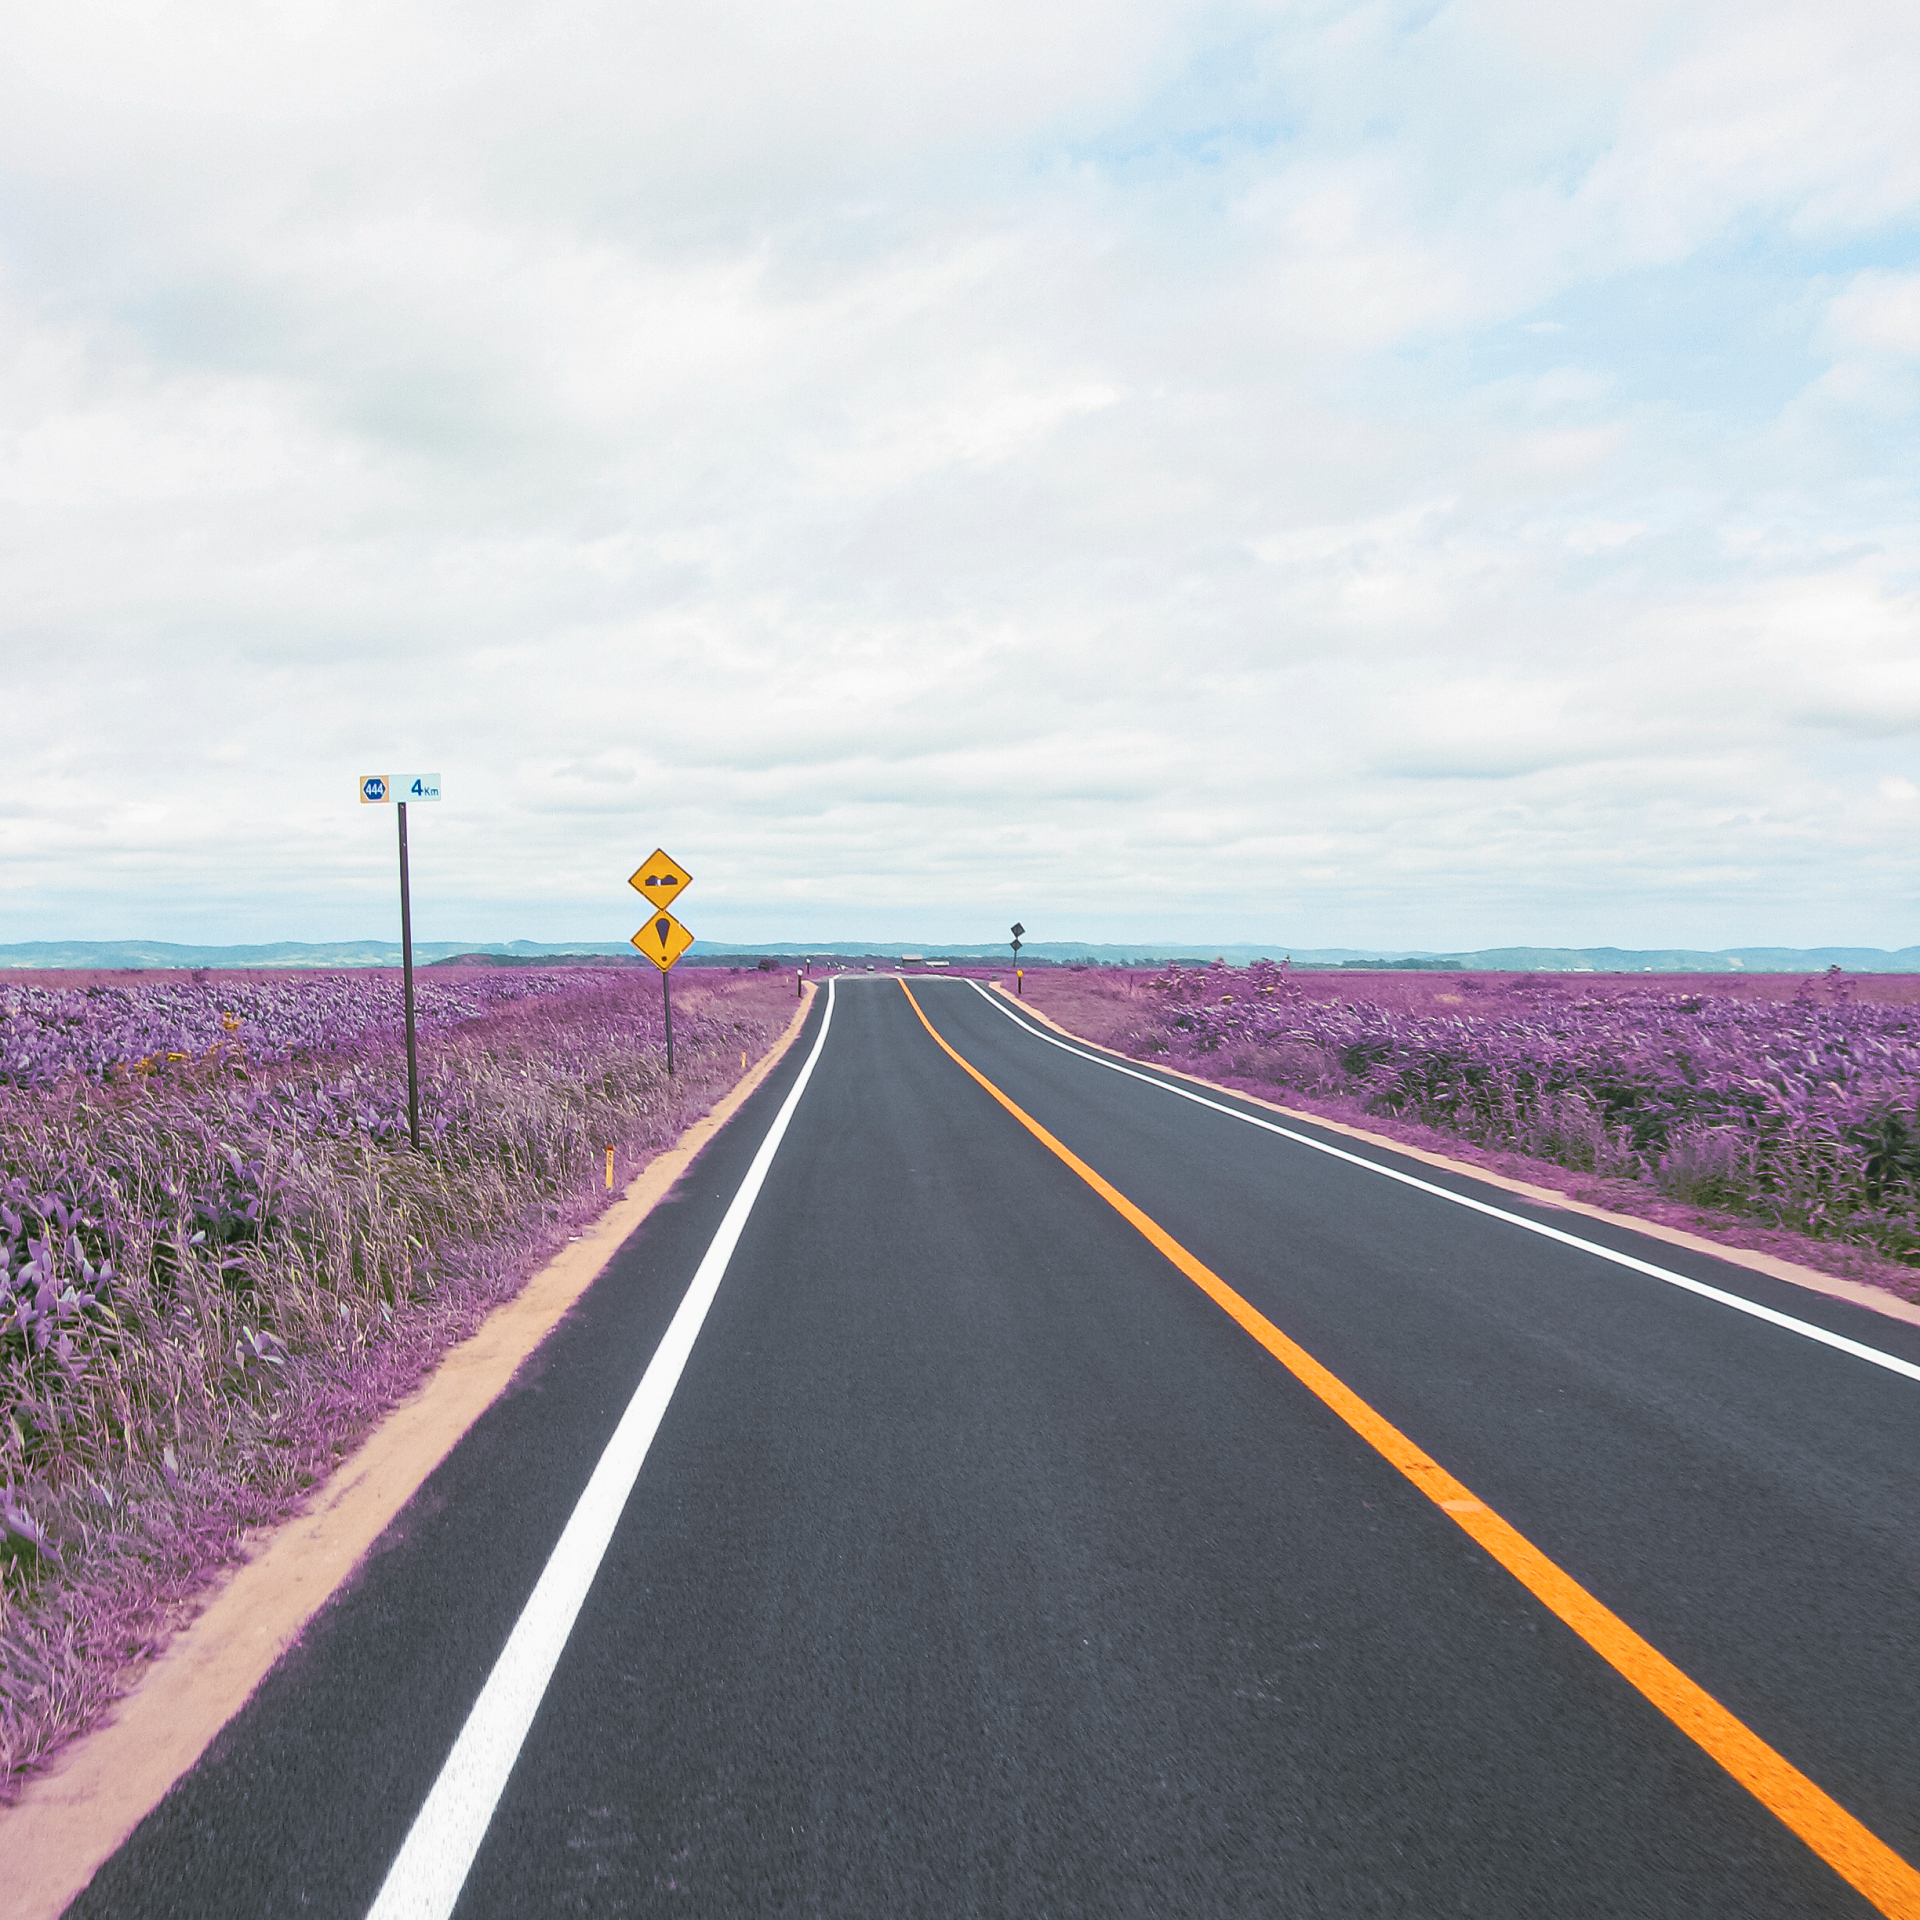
(161,955)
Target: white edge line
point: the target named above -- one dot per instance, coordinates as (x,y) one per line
(432,1865)
(1892,1362)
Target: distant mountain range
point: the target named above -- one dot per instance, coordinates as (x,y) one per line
(109,955)
(1485,960)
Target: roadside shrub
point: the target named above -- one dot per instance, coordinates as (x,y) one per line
(1710,1166)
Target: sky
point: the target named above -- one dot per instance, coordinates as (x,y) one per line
(1368,475)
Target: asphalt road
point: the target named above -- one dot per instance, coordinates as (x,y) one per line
(981,1565)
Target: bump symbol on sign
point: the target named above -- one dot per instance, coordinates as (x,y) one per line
(660,877)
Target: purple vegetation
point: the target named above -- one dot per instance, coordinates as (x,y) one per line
(217,1268)
(153,1023)
(1797,1107)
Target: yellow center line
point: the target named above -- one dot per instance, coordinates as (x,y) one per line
(1852,1850)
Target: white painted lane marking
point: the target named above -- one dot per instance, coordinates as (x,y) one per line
(1805,1328)
(426,1877)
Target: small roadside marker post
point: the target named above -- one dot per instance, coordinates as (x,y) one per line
(658,879)
(375,790)
(1019,973)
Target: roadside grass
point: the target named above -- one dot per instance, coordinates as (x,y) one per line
(219,1274)
(1775,1113)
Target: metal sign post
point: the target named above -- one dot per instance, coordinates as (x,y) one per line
(1019,977)
(375,790)
(663,939)
(406,974)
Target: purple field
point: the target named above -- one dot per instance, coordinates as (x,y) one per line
(114,1026)
(1789,1102)
(220,1259)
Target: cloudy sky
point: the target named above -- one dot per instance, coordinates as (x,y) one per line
(1421,475)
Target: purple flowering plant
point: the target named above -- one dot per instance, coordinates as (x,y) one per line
(1798,1106)
(220,1258)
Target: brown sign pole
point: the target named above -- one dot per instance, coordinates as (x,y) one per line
(666,1007)
(406,975)
(376,789)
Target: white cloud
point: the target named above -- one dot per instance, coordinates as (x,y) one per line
(926,467)
(1872,331)
(1877,313)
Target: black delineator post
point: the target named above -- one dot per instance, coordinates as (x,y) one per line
(666,1000)
(406,968)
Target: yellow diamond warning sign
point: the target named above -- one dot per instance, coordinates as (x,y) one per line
(663,940)
(661,878)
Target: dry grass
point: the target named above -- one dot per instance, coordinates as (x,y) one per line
(224,1375)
